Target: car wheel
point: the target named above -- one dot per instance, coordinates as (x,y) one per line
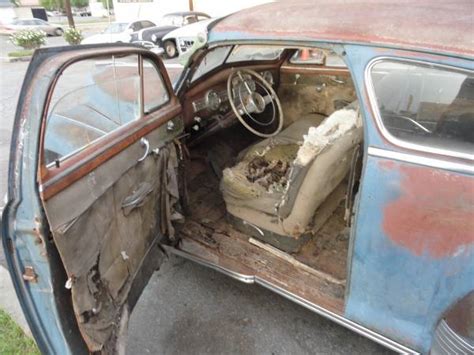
(170,49)
(58,32)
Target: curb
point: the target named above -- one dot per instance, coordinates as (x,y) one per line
(15,59)
(9,302)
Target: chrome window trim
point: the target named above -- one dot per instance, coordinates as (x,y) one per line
(339,319)
(420,160)
(378,119)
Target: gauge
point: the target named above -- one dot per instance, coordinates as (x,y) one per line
(268,76)
(213,100)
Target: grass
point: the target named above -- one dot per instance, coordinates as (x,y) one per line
(21,53)
(12,338)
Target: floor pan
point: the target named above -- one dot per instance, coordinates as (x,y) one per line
(312,274)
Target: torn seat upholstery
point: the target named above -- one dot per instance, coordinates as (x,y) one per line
(281,184)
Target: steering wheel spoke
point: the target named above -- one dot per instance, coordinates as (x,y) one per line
(268,99)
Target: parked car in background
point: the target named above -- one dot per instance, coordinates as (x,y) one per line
(54,13)
(182,39)
(51,29)
(118,32)
(320,149)
(153,36)
(82,12)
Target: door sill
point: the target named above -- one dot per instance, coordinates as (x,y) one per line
(244,274)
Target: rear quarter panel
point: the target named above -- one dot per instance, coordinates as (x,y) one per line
(413,246)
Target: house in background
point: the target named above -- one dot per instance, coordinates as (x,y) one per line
(128,10)
(7,11)
(24,10)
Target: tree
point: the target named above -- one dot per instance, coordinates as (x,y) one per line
(52,4)
(79,3)
(64,5)
(67,8)
(111,4)
(59,4)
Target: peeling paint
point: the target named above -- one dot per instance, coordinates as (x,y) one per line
(434,214)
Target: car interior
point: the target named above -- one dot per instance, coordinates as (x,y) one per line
(273,158)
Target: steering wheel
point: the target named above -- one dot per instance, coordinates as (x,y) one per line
(249,93)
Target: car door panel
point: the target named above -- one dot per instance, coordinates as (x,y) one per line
(105,205)
(87,227)
(103,239)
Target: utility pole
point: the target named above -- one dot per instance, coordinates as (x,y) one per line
(191,5)
(67,8)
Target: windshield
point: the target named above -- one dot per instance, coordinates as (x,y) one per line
(214,58)
(171,20)
(116,27)
(251,52)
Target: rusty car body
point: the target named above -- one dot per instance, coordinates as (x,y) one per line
(328,158)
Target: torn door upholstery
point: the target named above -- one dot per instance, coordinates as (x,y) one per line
(103,246)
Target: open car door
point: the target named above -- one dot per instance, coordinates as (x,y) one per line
(92,191)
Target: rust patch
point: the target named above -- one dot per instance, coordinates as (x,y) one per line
(434,214)
(387,164)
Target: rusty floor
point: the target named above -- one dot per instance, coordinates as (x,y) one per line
(207,234)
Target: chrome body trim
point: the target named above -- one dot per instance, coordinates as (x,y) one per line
(420,160)
(376,112)
(446,341)
(341,320)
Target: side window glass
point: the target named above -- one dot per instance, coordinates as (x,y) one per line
(136,26)
(190,19)
(426,105)
(91,98)
(154,89)
(146,24)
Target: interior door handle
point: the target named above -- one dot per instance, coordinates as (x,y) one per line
(144,143)
(136,198)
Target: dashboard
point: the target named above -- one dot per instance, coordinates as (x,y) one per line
(215,100)
(206,106)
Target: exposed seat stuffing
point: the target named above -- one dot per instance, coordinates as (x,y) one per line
(279,183)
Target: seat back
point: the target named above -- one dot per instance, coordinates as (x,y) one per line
(322,162)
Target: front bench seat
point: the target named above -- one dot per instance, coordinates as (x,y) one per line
(278,184)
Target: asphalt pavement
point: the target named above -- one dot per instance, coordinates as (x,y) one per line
(189,309)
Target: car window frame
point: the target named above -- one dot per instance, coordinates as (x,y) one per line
(144,116)
(370,89)
(189,75)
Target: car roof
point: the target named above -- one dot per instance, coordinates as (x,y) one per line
(187,13)
(444,27)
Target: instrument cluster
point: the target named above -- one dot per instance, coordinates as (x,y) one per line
(216,101)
